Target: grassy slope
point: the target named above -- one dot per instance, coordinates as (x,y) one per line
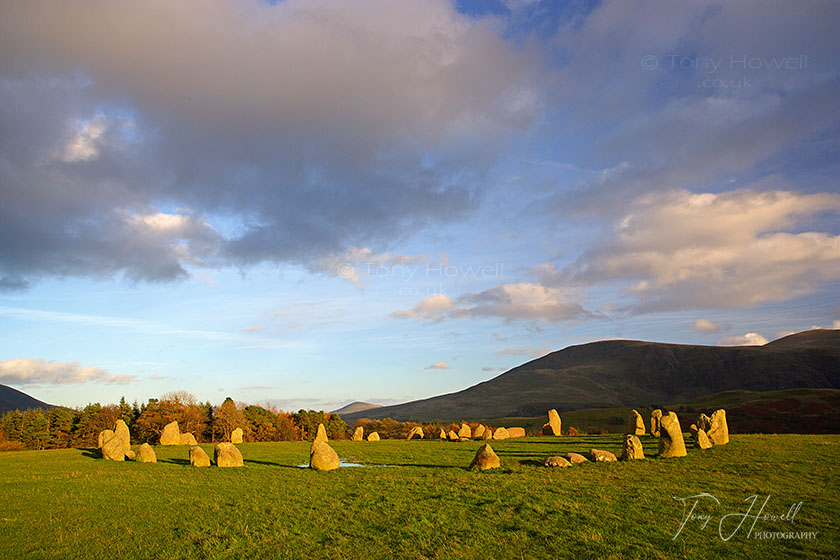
(69,504)
(626,373)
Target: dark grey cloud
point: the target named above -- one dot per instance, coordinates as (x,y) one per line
(264,133)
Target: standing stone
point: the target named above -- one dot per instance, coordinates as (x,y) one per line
(556,461)
(718,431)
(516,432)
(170,434)
(146,454)
(187,439)
(322,457)
(452,436)
(576,458)
(635,424)
(415,433)
(465,431)
(198,458)
(321,434)
(227,455)
(632,448)
(485,458)
(113,449)
(501,433)
(359,434)
(703,422)
(478,433)
(655,418)
(701,440)
(104,436)
(373,436)
(488,434)
(129,455)
(236,436)
(552,428)
(442,434)
(121,431)
(601,456)
(671,443)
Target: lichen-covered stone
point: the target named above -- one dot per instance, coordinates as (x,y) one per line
(601,456)
(236,435)
(632,448)
(170,434)
(452,436)
(516,432)
(501,433)
(113,449)
(227,455)
(321,434)
(478,433)
(671,443)
(655,417)
(635,424)
(121,431)
(373,436)
(198,458)
(576,458)
(322,457)
(556,461)
(488,434)
(104,436)
(146,454)
(465,431)
(554,425)
(718,431)
(415,433)
(187,439)
(359,434)
(485,459)
(701,440)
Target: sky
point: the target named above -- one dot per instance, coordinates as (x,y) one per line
(308,203)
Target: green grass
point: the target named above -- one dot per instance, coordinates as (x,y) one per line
(70,504)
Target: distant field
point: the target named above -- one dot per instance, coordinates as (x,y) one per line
(69,504)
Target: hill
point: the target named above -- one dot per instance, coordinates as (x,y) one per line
(12,399)
(355,407)
(629,373)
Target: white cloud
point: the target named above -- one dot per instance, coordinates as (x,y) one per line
(749,339)
(725,249)
(438,365)
(706,326)
(23,371)
(358,263)
(432,308)
(836,324)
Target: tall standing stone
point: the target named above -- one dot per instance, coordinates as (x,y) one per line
(198,458)
(113,449)
(322,457)
(236,435)
(121,431)
(359,434)
(553,426)
(321,434)
(635,424)
(104,436)
(488,434)
(187,439)
(718,431)
(171,434)
(465,431)
(703,422)
(478,433)
(632,448)
(485,458)
(415,433)
(701,440)
(146,454)
(227,455)
(452,436)
(442,434)
(655,418)
(671,443)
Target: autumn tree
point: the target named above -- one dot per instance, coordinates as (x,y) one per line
(227,418)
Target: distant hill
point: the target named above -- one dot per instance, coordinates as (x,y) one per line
(629,373)
(12,399)
(355,408)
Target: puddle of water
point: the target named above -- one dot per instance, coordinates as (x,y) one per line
(343,463)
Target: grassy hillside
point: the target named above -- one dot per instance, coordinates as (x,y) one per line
(355,407)
(625,373)
(12,399)
(69,504)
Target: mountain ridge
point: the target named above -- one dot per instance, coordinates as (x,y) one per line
(13,399)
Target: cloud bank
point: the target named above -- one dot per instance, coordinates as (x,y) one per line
(23,371)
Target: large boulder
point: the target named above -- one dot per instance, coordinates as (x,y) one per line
(373,436)
(488,434)
(701,440)
(655,418)
(146,454)
(485,458)
(478,433)
(321,434)
(452,436)
(601,456)
(501,433)
(718,431)
(576,458)
(671,443)
(171,434)
(236,436)
(553,426)
(415,433)
(465,431)
(227,455)
(516,432)
(198,458)
(632,448)
(104,436)
(358,434)
(556,461)
(121,431)
(635,424)
(322,457)
(187,439)
(113,449)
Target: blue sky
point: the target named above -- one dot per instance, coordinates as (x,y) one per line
(310,203)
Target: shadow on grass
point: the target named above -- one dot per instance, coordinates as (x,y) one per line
(531,463)
(270,463)
(91,452)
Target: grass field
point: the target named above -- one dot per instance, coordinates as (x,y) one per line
(71,504)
